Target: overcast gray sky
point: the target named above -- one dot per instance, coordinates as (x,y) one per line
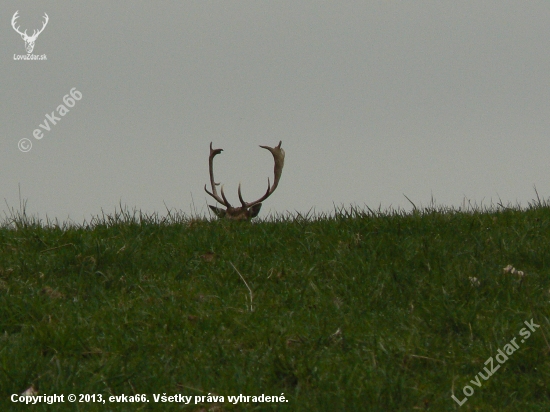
(372,100)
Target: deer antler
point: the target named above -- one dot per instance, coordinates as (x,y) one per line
(43,26)
(15,17)
(250,209)
(214,193)
(279,157)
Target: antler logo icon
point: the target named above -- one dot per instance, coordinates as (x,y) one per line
(29,40)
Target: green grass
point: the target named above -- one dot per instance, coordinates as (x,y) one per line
(356,311)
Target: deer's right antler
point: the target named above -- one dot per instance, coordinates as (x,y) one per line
(15,17)
(214,193)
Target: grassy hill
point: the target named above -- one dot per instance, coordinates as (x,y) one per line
(357,311)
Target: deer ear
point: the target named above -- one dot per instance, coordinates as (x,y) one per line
(217,211)
(254,210)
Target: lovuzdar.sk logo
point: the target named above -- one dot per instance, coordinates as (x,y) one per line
(29,40)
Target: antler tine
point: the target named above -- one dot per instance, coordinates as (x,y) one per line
(279,158)
(214,193)
(226,203)
(246,205)
(243,203)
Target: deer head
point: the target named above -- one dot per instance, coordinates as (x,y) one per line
(247,210)
(29,40)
